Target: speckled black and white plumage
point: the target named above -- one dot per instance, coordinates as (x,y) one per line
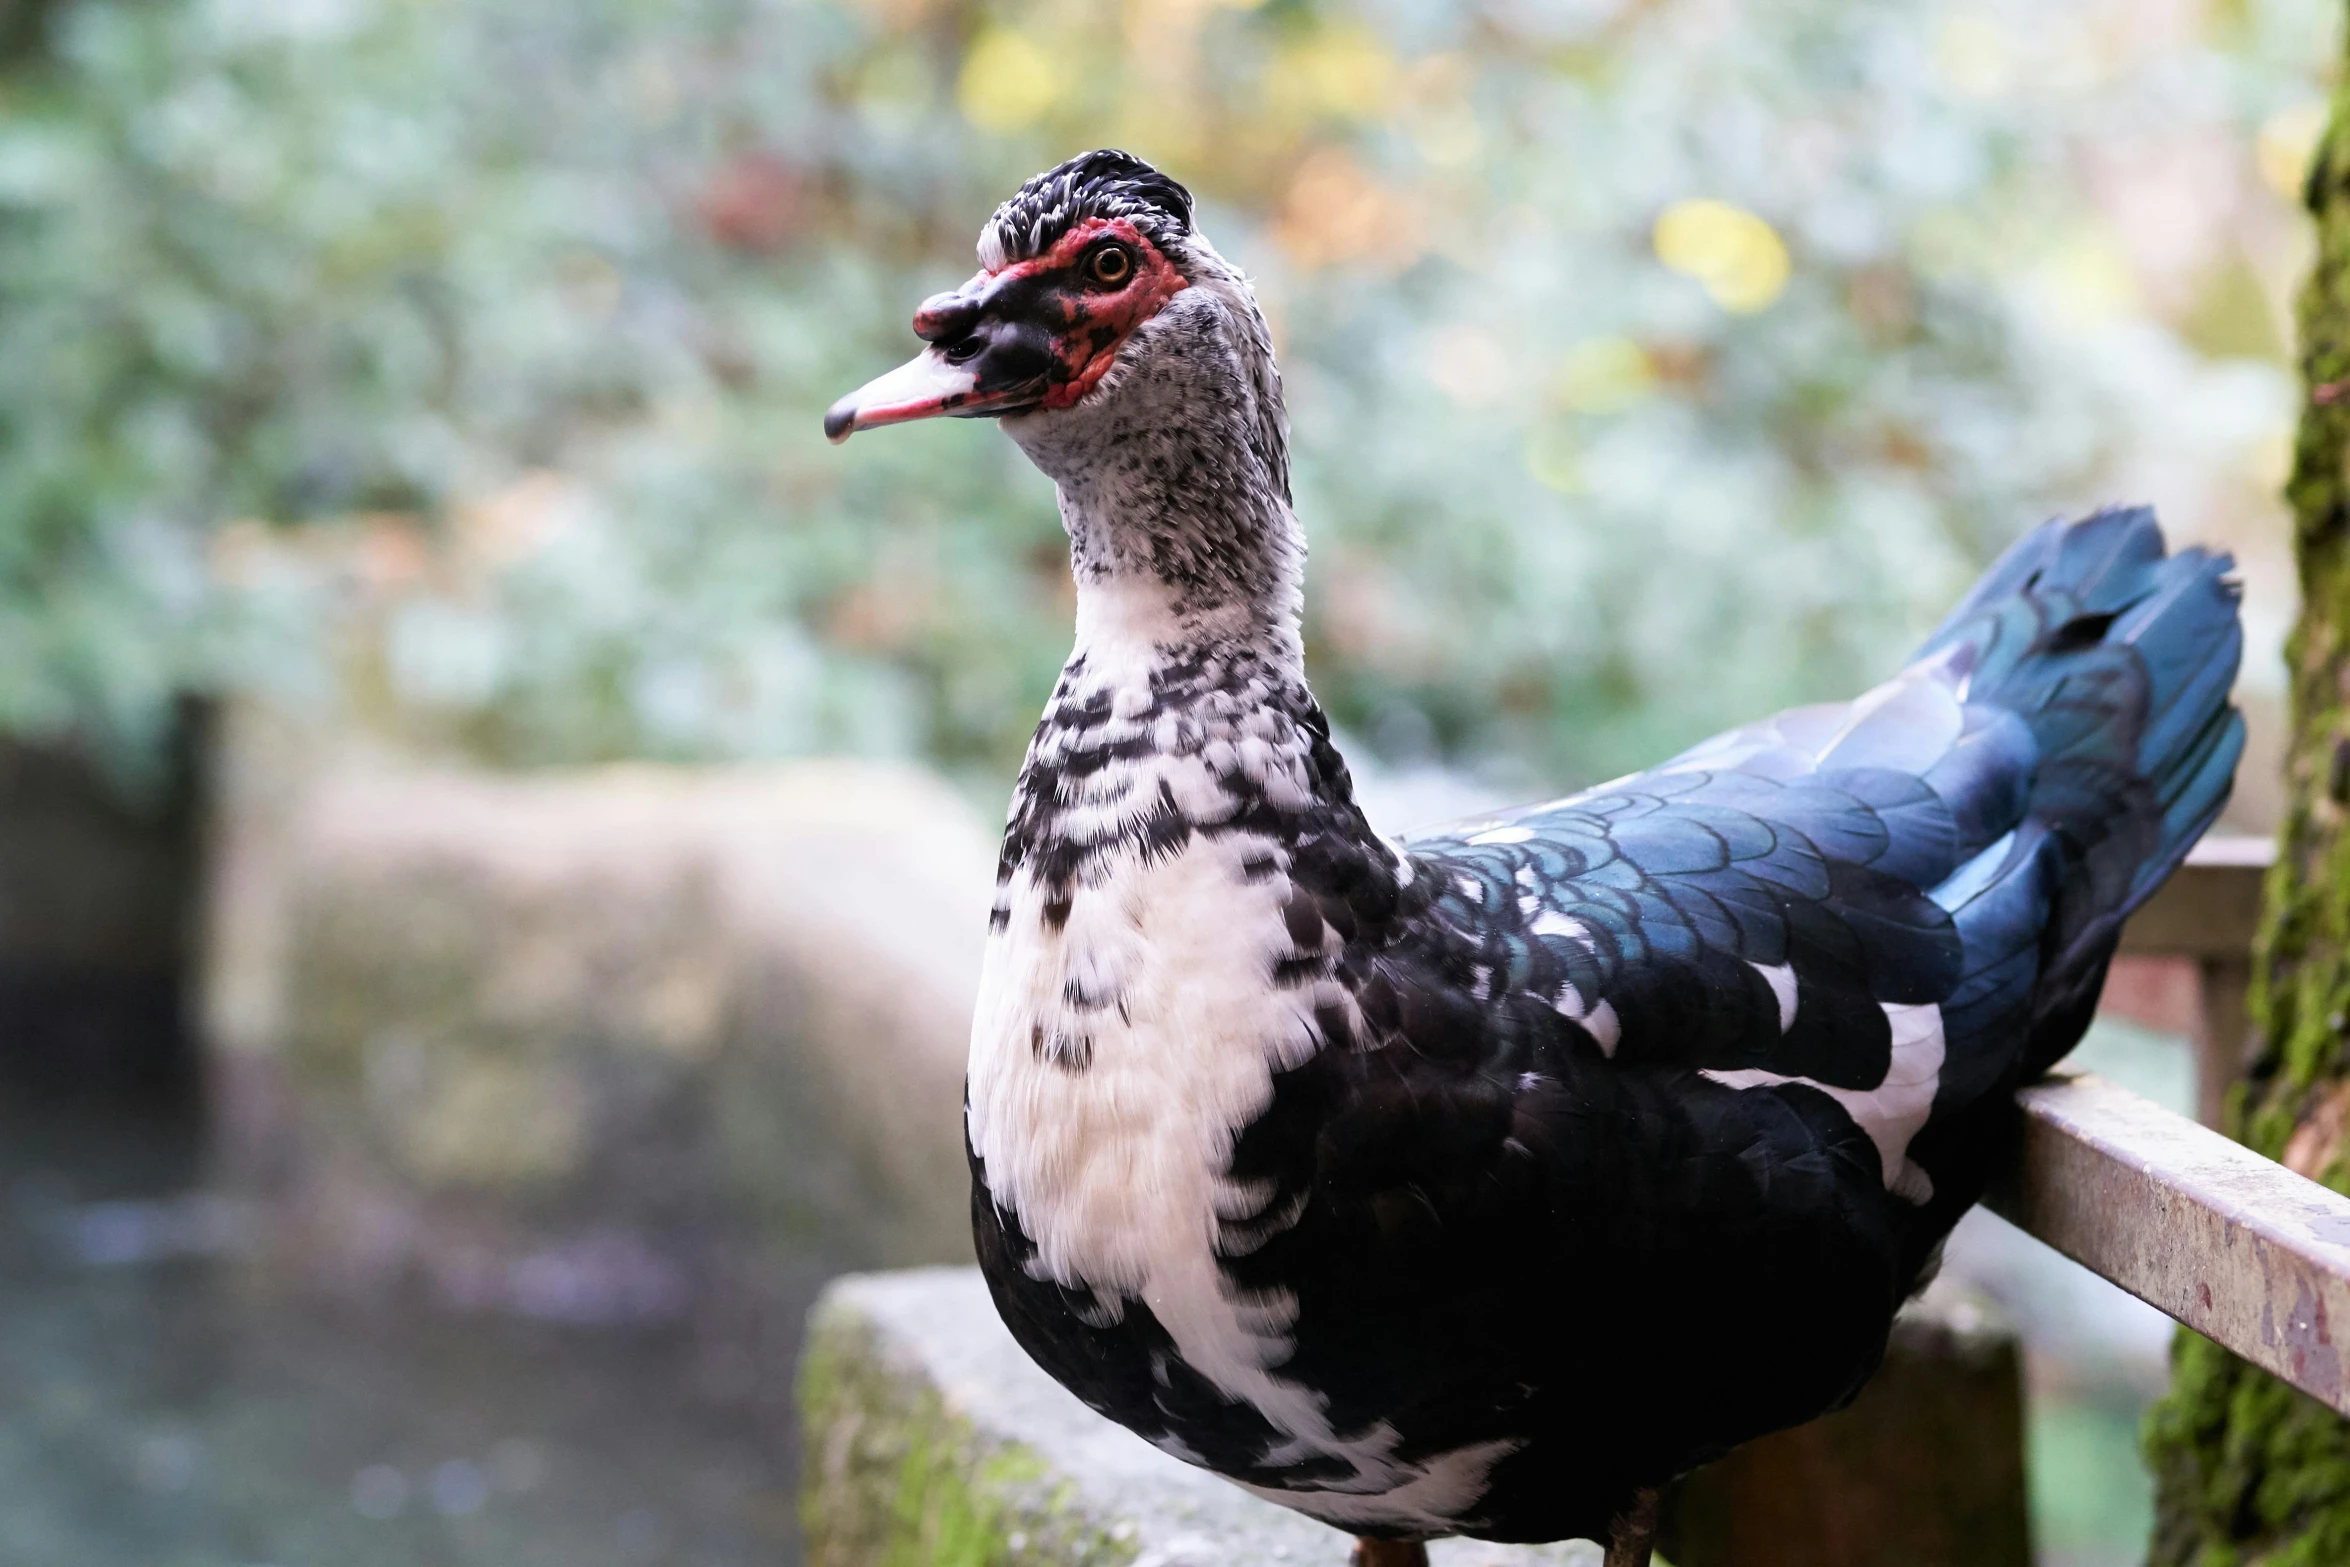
(1475,1183)
(1105,183)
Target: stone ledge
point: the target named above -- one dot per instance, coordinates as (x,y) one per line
(933,1441)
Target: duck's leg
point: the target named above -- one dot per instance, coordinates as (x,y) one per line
(1388,1553)
(1633,1535)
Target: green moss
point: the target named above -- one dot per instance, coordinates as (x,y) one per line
(896,1478)
(2247,1470)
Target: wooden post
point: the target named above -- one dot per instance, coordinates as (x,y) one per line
(99,894)
(2223,1035)
(2207,913)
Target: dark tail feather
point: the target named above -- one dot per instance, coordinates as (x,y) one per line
(2119,659)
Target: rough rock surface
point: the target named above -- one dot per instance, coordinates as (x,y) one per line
(571,1044)
(931,1438)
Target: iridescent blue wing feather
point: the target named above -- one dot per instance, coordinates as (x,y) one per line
(1967,837)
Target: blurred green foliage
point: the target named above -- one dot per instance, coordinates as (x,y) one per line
(1650,363)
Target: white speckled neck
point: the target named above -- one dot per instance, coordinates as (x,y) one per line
(1173,475)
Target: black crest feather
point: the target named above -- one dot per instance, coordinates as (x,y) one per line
(1105,183)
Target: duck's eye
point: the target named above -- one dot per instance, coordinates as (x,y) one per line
(1111,265)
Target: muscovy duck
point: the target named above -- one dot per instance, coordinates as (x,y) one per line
(1482,1182)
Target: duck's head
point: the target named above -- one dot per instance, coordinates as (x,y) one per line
(1130,362)
(1079,273)
(1070,270)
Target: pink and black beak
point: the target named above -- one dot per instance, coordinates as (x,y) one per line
(982,360)
(1036,334)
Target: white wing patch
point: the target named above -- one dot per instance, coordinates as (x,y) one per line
(1598,1018)
(1895,1110)
(1550,922)
(1782,982)
(1595,1014)
(1600,1022)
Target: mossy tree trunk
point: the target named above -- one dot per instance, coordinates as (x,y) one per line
(2248,1471)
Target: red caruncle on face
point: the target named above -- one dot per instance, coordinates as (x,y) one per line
(1089,318)
(1033,334)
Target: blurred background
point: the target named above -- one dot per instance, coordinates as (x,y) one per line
(495,813)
